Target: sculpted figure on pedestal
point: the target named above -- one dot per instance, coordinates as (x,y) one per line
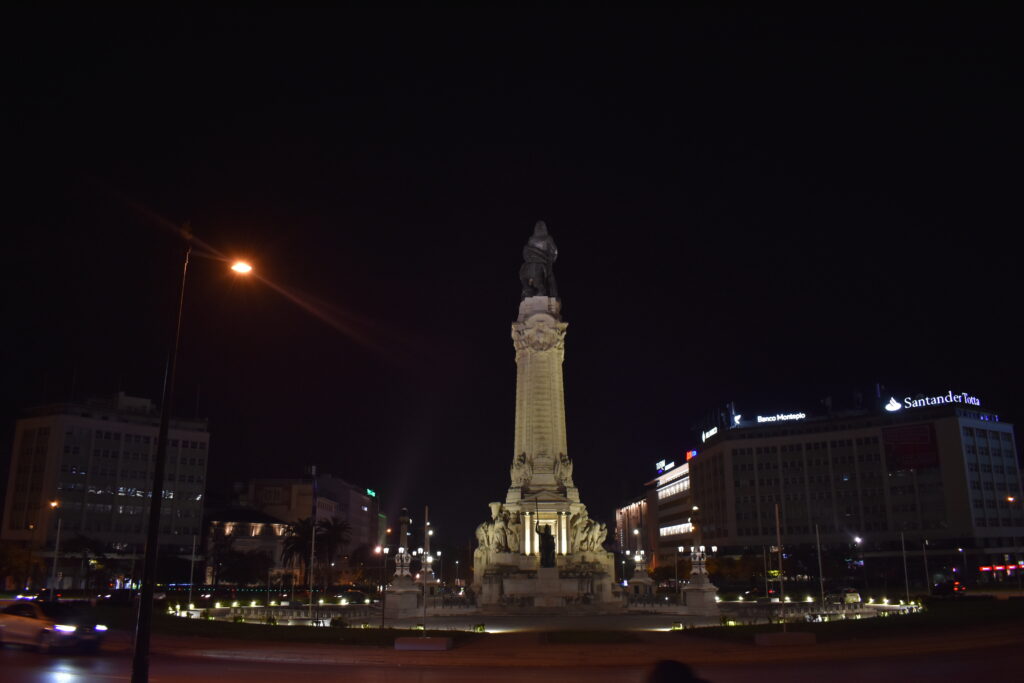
(576,531)
(500,534)
(483,541)
(515,532)
(563,470)
(537,274)
(522,470)
(586,533)
(598,534)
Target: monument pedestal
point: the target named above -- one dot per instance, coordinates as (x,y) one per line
(699,597)
(401,600)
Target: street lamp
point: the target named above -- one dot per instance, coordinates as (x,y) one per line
(963,553)
(383,552)
(54,504)
(144,623)
(863,565)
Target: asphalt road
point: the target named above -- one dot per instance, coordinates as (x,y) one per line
(20,666)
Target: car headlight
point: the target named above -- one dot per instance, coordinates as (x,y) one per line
(101,627)
(65,629)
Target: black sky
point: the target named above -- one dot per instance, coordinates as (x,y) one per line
(766,209)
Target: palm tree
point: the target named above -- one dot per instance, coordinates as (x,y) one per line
(296,544)
(332,535)
(221,547)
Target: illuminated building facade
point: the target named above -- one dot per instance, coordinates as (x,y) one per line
(659,522)
(96,459)
(292,499)
(939,469)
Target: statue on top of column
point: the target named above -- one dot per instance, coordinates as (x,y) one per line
(537,272)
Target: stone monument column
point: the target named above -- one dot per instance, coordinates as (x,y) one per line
(556,557)
(539,339)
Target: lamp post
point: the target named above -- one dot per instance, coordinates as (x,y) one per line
(906,576)
(144,622)
(963,554)
(678,548)
(927,574)
(1020,564)
(857,540)
(54,504)
(383,552)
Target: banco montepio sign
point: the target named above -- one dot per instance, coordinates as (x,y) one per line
(949,397)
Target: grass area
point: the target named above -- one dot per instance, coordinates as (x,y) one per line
(941,616)
(164,624)
(590,637)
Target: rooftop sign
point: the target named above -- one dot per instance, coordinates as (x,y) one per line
(892,406)
(781,417)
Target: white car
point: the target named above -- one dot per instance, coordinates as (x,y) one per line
(50,625)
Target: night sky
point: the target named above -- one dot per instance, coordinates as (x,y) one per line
(764,209)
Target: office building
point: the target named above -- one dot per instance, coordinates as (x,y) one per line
(95,459)
(659,522)
(292,499)
(941,469)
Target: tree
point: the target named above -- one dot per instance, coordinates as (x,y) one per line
(332,535)
(221,547)
(14,562)
(90,550)
(296,546)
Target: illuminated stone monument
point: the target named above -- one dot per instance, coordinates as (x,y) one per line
(540,548)
(700,596)
(401,599)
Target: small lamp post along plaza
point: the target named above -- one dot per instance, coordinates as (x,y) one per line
(54,504)
(383,552)
(144,621)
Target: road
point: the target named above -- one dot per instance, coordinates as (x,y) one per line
(19,666)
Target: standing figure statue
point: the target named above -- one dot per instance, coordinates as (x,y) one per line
(563,470)
(537,272)
(483,540)
(515,531)
(499,534)
(547,545)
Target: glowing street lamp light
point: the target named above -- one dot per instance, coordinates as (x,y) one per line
(241,267)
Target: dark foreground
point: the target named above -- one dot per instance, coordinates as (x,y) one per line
(18,666)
